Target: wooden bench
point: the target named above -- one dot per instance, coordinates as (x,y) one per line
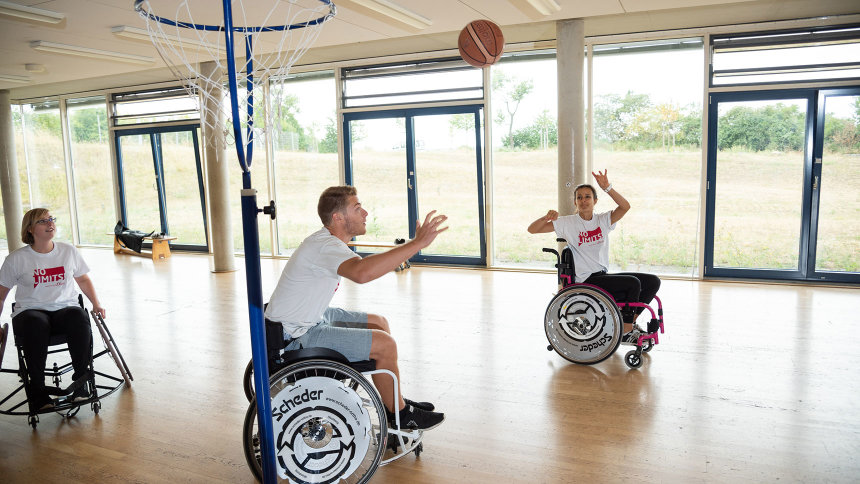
(160,247)
(382,245)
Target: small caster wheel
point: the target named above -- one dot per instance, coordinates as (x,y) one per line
(419,449)
(96,406)
(647,345)
(633,359)
(393,444)
(549,347)
(33,420)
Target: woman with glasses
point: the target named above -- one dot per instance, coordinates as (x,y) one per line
(46,303)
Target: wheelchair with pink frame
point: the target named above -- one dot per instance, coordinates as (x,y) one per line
(583,322)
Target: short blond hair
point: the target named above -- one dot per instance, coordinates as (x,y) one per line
(30,218)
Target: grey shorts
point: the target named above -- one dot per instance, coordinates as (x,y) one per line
(343,331)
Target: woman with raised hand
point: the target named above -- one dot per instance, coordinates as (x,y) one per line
(587,235)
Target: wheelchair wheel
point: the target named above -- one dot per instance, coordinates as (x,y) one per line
(647,345)
(248,381)
(583,324)
(633,359)
(329,425)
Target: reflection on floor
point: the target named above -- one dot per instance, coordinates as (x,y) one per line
(751,382)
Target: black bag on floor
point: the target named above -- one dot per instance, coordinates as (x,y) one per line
(131,239)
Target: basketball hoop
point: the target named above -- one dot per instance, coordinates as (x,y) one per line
(195,42)
(200,52)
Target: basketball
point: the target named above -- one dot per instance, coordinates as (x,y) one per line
(481,43)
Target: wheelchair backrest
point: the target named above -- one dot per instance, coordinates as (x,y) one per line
(275,342)
(567,269)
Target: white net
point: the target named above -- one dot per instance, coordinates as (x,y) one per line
(189,36)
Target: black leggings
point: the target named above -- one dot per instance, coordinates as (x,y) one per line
(627,286)
(33,331)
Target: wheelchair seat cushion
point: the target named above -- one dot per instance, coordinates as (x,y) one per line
(294,356)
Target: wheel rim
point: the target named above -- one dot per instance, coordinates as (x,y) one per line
(327,422)
(248,381)
(583,325)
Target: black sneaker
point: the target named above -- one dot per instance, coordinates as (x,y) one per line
(632,338)
(77,384)
(414,418)
(81,394)
(41,403)
(427,406)
(422,405)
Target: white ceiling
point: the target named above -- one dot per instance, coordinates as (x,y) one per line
(356,32)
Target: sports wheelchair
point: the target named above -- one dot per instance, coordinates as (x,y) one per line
(98,383)
(583,322)
(330,424)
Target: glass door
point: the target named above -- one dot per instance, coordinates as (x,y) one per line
(378,158)
(836,188)
(406,163)
(161,183)
(782,188)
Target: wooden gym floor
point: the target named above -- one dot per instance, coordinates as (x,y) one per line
(751,383)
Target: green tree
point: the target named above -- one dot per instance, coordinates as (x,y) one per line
(511,92)
(541,134)
(857,110)
(668,117)
(461,122)
(329,142)
(690,126)
(841,135)
(88,125)
(48,122)
(291,135)
(774,127)
(618,118)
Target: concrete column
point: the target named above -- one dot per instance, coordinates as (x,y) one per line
(9,182)
(572,164)
(217,176)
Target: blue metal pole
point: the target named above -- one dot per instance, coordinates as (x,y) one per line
(252,270)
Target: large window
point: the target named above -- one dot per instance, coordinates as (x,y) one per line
(422,82)
(89,141)
(44,164)
(305,147)
(525,155)
(817,54)
(647,133)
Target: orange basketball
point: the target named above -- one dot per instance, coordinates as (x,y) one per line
(481,43)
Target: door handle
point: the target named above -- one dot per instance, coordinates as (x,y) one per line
(409,183)
(815,183)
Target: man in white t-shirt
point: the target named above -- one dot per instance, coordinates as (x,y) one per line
(308,283)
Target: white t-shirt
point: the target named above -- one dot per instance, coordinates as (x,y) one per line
(589,241)
(45,281)
(308,282)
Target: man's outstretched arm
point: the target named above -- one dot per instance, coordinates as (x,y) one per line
(372,267)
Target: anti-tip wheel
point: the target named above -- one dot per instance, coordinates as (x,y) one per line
(633,359)
(647,345)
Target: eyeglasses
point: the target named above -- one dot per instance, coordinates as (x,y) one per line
(48,220)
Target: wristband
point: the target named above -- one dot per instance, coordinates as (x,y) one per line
(608,188)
